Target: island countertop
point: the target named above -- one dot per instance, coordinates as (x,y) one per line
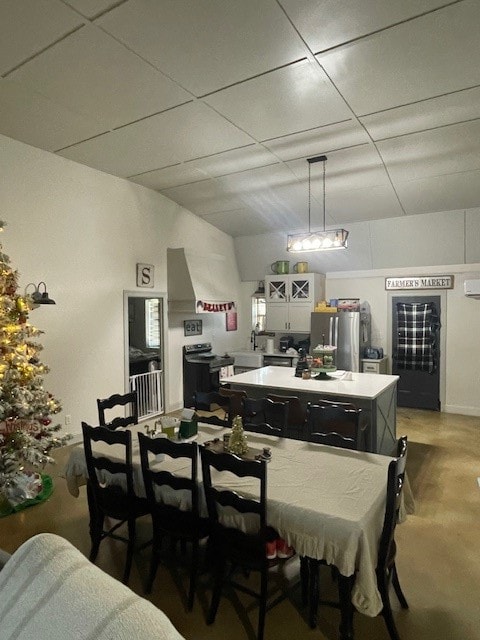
(362,385)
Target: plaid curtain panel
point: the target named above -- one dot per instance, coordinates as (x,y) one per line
(417,326)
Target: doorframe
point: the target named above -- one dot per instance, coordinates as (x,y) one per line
(162,295)
(443,332)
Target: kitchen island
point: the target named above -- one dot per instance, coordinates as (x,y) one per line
(375,394)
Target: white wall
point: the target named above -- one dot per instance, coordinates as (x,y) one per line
(447,237)
(83,231)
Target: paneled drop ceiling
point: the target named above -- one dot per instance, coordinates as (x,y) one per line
(218,103)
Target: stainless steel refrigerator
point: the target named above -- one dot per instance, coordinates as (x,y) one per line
(349,331)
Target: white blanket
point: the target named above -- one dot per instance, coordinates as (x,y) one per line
(50,591)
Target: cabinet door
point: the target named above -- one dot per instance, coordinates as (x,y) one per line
(277,316)
(301,288)
(276,288)
(299,316)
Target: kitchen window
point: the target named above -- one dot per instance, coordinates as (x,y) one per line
(259,311)
(152,323)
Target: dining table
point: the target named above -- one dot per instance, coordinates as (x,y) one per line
(328,503)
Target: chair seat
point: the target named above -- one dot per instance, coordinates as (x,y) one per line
(179,524)
(119,505)
(239,547)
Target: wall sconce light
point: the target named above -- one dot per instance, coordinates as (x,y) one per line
(39,297)
(324,240)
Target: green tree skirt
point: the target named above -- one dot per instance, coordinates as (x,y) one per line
(47,489)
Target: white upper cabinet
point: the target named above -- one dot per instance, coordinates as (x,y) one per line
(290,300)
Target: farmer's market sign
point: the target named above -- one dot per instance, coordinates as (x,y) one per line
(419,282)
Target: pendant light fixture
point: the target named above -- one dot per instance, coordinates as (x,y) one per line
(317,240)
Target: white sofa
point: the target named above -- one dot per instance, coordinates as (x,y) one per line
(50,591)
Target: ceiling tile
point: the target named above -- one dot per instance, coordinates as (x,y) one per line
(175,176)
(440,151)
(29,26)
(270,177)
(432,55)
(295,98)
(327,23)
(318,141)
(212,166)
(440,193)
(92,8)
(454,107)
(273,192)
(235,160)
(192,130)
(31,118)
(210,44)
(207,196)
(345,170)
(121,86)
(235,223)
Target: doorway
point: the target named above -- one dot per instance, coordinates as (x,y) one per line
(417,350)
(144,332)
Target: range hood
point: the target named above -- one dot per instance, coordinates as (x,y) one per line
(198,283)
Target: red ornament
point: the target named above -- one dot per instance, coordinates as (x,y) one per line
(45,421)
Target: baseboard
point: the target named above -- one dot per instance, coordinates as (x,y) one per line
(461,410)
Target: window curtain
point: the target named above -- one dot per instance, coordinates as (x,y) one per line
(418,325)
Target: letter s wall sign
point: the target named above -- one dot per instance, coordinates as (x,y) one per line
(145,274)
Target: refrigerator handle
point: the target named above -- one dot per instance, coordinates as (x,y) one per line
(336,332)
(330,331)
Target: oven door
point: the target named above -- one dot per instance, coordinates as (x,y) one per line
(198,377)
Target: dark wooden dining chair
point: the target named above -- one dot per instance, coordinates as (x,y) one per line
(117,501)
(210,403)
(334,424)
(232,546)
(296,415)
(235,396)
(262,415)
(386,568)
(129,401)
(173,522)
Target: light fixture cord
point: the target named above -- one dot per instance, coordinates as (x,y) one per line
(309,197)
(324,210)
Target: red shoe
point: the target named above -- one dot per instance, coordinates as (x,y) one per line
(271,550)
(283,550)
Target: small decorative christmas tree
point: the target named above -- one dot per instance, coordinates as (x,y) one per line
(26,430)
(238,440)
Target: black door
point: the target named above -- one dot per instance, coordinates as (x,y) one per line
(416,350)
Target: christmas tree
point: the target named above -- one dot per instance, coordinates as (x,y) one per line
(27,434)
(238,440)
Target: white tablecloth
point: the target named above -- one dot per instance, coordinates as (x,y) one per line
(327,503)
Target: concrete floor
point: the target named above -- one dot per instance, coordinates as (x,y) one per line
(438,548)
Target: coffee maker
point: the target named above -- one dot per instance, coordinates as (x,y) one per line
(285,343)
